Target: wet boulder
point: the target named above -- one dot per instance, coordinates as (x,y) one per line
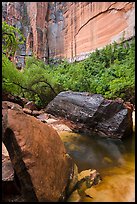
(38,157)
(93,114)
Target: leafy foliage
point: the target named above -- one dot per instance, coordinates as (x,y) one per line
(32,82)
(11,77)
(11,39)
(109,71)
(37,79)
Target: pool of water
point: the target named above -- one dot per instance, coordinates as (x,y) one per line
(113,159)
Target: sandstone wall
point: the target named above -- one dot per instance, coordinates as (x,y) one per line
(70,29)
(81,27)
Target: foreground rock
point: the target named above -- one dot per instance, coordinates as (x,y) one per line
(9,186)
(38,157)
(94,114)
(14,99)
(57,123)
(10,105)
(85,180)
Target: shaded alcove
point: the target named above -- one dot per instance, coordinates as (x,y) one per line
(23,185)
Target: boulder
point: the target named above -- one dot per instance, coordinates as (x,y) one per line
(38,157)
(9,184)
(14,99)
(93,114)
(10,105)
(5,106)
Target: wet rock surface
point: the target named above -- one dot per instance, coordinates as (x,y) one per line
(11,186)
(57,123)
(94,114)
(38,157)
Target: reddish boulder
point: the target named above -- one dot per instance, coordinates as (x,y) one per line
(38,157)
(10,105)
(14,99)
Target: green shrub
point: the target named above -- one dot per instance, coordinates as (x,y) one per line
(41,86)
(11,39)
(11,77)
(33,82)
(109,71)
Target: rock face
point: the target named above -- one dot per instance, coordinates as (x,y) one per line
(38,157)
(9,186)
(10,105)
(14,99)
(93,113)
(69,30)
(77,28)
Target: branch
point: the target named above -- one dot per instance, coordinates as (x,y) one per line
(25,88)
(38,81)
(5,33)
(31,90)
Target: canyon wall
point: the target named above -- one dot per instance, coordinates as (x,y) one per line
(70,30)
(78,28)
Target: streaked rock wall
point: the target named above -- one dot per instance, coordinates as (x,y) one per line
(70,29)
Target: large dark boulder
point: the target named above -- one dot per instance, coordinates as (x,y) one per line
(93,114)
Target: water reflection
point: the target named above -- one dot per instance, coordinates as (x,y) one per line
(114,159)
(90,152)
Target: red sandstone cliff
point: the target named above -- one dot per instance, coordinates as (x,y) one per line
(70,29)
(85,26)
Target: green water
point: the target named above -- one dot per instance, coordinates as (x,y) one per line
(98,153)
(114,159)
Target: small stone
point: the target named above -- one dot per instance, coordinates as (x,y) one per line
(30,105)
(28,111)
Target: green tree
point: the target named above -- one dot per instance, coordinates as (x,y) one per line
(11,77)
(11,39)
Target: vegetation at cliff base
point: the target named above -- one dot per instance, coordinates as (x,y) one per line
(11,39)
(109,71)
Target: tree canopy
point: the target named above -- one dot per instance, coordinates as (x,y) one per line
(11,39)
